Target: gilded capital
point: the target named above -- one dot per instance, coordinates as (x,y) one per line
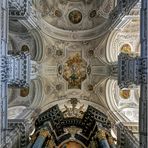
(101,135)
(110,140)
(50,143)
(44,133)
(33,138)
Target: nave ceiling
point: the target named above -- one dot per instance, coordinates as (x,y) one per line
(72,54)
(73,20)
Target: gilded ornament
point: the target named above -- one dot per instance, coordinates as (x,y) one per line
(74,71)
(44,133)
(73,111)
(126,48)
(33,138)
(101,135)
(50,144)
(110,140)
(125,93)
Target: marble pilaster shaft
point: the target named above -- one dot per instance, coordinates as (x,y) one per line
(103,144)
(40,139)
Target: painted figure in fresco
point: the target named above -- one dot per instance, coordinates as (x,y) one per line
(75,16)
(74,71)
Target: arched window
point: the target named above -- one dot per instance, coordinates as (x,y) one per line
(123,102)
(126,39)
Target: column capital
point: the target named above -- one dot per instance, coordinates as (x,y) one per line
(50,143)
(44,133)
(33,138)
(110,140)
(101,134)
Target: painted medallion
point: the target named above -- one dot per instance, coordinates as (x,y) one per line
(75,16)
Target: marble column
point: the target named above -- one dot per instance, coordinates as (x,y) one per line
(103,143)
(41,139)
(143,101)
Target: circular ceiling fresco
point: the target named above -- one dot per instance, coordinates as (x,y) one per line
(75,16)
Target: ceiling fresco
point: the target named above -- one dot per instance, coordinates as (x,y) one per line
(73,20)
(126,39)
(73,108)
(124,101)
(74,98)
(74,71)
(74,14)
(72,66)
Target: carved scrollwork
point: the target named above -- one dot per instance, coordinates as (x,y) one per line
(73,111)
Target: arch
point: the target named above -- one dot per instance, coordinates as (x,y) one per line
(110,53)
(38,96)
(38,45)
(83,101)
(29,24)
(59,32)
(125,110)
(125,33)
(34,45)
(53,119)
(26,111)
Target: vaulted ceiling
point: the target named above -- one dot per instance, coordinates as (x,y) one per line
(73,20)
(72,52)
